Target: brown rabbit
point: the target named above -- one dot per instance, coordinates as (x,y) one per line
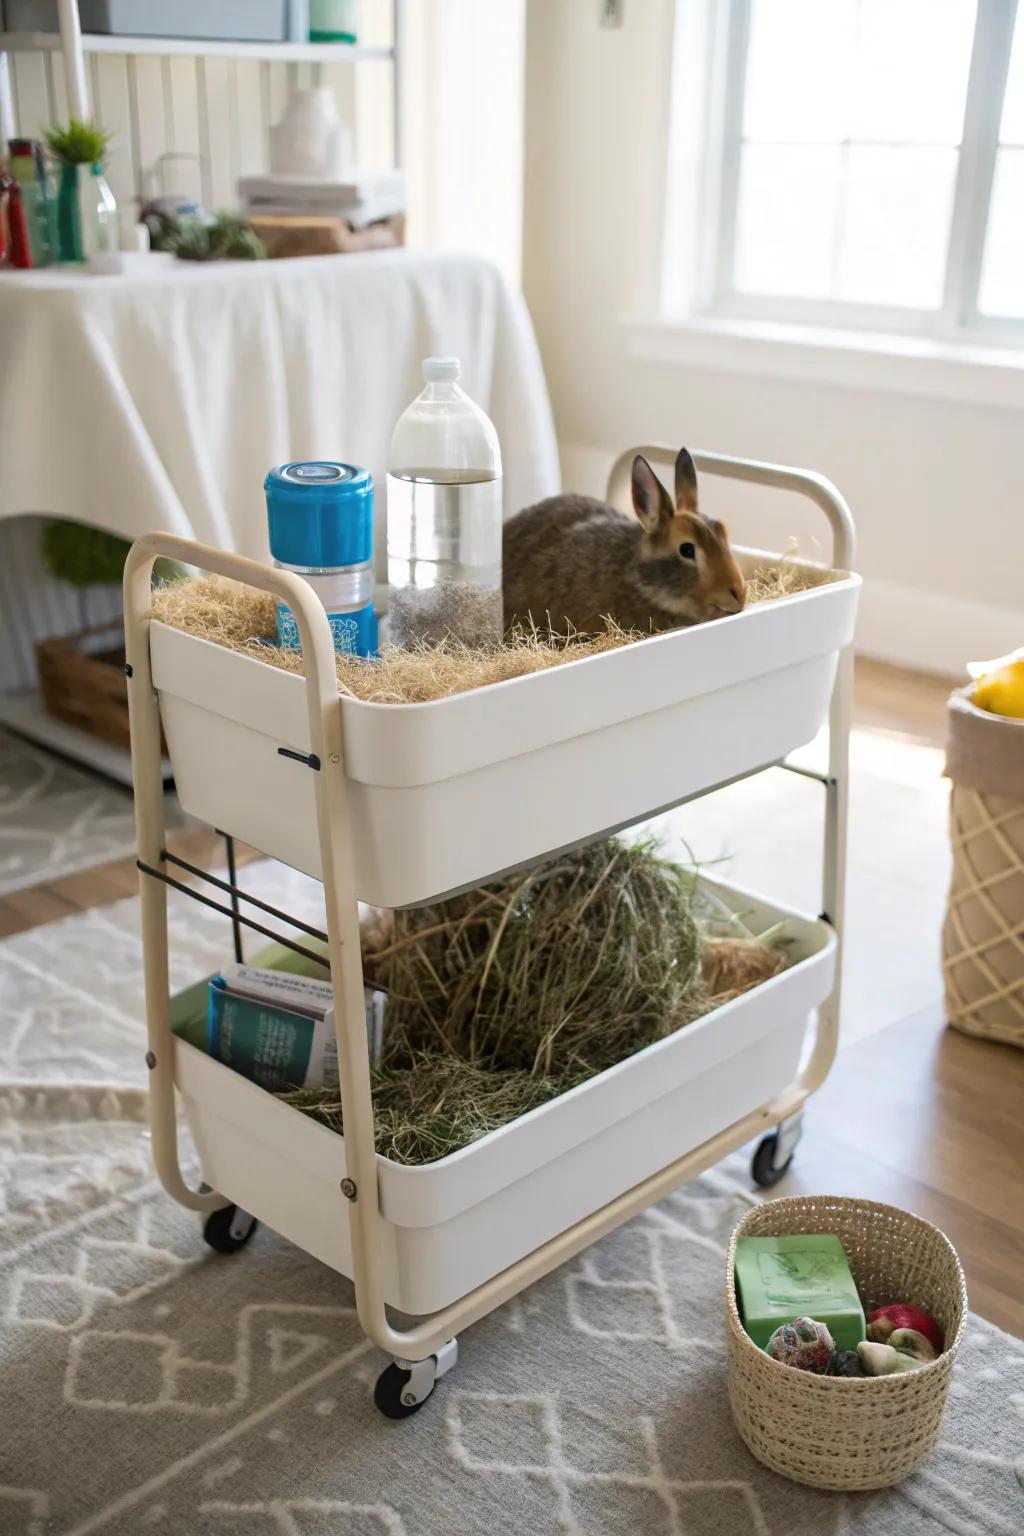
(571,560)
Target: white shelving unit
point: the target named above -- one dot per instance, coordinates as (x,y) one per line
(75,45)
(285,53)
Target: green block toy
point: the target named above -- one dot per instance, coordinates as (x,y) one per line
(799,1275)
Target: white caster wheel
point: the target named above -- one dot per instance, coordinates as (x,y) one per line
(405,1385)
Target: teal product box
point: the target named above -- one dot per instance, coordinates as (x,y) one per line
(276,1027)
(269,1044)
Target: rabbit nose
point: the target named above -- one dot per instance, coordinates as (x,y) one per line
(728,600)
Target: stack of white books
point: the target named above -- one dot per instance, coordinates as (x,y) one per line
(361,197)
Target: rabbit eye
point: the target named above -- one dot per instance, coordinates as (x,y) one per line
(687,551)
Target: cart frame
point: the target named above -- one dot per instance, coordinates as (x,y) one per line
(427,1349)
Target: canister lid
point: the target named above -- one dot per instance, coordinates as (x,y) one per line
(320,514)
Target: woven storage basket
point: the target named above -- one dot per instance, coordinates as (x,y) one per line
(82,681)
(983,934)
(840,1432)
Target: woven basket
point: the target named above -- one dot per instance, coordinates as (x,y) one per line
(82,681)
(840,1432)
(983,934)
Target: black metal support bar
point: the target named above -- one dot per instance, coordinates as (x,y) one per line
(254,901)
(248,922)
(809,773)
(236,926)
(309,758)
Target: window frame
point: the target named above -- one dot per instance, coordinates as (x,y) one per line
(713,295)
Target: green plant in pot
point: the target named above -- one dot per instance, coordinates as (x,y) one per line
(87,557)
(86,210)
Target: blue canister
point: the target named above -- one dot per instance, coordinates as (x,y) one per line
(320,517)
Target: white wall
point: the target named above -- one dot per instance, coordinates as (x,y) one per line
(936,486)
(465,110)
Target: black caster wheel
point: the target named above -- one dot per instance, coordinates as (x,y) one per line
(762,1168)
(228,1229)
(390,1392)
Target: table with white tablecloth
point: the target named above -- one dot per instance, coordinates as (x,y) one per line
(138,402)
(160,400)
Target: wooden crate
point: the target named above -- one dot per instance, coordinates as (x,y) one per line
(307,234)
(82,681)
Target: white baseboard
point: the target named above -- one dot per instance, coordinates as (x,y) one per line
(916,628)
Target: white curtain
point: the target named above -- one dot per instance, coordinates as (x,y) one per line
(464,74)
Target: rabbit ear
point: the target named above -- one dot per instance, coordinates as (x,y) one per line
(686,482)
(651,501)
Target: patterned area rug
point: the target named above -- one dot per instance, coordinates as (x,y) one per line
(151,1388)
(56,819)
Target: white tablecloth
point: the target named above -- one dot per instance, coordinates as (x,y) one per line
(160,401)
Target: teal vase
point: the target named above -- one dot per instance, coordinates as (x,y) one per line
(69,221)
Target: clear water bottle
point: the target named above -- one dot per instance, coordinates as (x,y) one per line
(320,521)
(444,517)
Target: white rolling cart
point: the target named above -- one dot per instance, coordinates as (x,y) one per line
(399,804)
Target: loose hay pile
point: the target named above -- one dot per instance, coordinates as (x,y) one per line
(506,996)
(767,583)
(244,619)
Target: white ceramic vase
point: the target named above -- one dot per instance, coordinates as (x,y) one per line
(311,139)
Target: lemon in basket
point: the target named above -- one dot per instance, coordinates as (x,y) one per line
(999,685)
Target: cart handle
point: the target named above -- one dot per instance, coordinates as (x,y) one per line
(803,482)
(326,741)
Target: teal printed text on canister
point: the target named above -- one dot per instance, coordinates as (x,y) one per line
(320,521)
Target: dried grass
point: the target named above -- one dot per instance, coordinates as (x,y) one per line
(435,1105)
(571,966)
(507,996)
(732,966)
(767,583)
(244,619)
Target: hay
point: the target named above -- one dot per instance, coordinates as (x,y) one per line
(732,966)
(505,997)
(569,967)
(435,1105)
(767,583)
(244,619)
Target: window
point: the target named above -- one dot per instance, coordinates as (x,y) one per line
(869,165)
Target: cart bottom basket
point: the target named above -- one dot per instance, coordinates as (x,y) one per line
(451,1225)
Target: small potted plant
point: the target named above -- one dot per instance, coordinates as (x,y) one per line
(86,210)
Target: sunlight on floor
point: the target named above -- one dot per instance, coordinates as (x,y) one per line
(765,833)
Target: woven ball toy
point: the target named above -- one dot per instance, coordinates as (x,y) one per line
(804,1344)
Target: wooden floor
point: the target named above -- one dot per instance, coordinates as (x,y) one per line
(930,1120)
(911,705)
(97,887)
(916,1115)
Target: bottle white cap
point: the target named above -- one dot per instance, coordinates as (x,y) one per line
(438,370)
